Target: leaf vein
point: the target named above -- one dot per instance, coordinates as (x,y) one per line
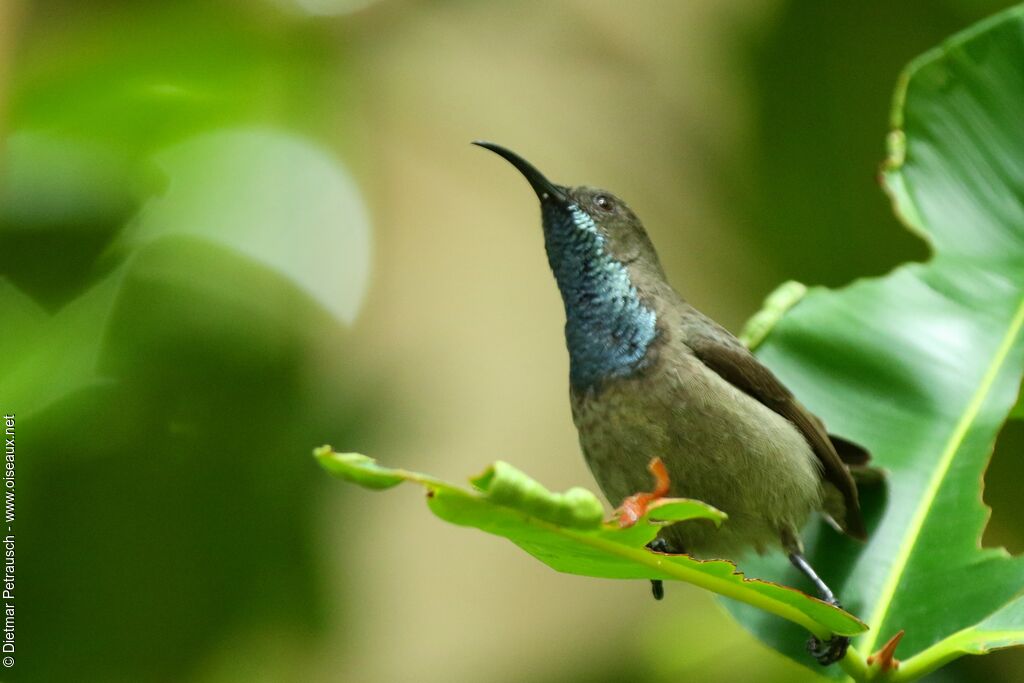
(938,476)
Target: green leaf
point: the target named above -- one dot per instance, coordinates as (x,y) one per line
(23,321)
(1004,628)
(141,89)
(504,485)
(359,469)
(58,355)
(307,223)
(760,325)
(923,365)
(566,532)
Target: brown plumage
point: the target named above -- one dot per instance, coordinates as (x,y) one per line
(724,354)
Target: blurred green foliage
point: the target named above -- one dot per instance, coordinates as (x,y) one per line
(175,249)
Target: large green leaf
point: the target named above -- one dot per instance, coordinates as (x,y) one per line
(923,365)
(566,532)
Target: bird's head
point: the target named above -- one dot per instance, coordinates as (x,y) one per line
(601,258)
(579,217)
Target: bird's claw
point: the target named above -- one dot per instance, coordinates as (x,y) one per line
(829,651)
(634,507)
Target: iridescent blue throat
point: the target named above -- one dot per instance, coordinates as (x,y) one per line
(607,329)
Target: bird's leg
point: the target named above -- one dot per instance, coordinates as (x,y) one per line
(801,563)
(660,545)
(634,507)
(833,649)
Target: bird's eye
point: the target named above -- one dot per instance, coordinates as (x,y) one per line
(604,202)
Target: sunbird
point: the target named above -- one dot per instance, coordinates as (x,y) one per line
(650,375)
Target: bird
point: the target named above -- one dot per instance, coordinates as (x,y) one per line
(650,375)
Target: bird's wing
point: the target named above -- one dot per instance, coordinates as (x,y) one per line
(723,353)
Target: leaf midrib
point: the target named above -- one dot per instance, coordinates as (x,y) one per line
(949,454)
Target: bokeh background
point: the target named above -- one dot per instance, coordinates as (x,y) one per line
(232,230)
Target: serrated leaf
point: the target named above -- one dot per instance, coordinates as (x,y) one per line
(923,366)
(566,532)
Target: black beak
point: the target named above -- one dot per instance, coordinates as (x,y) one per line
(544,188)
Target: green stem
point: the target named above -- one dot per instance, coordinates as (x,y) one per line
(928,660)
(712,583)
(854,665)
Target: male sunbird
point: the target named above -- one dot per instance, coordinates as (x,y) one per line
(650,375)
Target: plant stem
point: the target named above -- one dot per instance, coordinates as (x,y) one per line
(930,659)
(854,665)
(712,583)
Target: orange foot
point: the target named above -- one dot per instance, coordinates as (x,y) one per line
(635,506)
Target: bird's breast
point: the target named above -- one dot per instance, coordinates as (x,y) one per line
(719,445)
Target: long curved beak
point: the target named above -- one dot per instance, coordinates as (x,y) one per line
(544,188)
